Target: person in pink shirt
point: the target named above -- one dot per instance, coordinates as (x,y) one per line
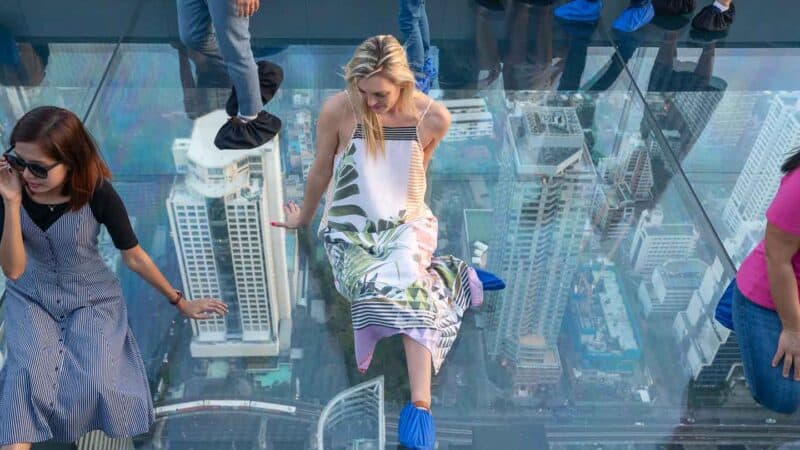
(766,302)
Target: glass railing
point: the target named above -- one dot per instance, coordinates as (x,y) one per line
(614,182)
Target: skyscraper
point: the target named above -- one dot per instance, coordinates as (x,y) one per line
(219,217)
(354,419)
(708,350)
(543,199)
(471,119)
(656,242)
(668,290)
(759,179)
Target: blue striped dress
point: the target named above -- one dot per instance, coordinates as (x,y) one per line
(72,365)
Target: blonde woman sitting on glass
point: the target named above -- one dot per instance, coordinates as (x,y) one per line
(374,143)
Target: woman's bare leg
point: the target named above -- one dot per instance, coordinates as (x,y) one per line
(418,360)
(20,446)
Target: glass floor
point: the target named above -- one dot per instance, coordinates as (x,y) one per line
(613,180)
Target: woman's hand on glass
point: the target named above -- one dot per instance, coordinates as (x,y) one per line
(10,183)
(246,8)
(294,216)
(202,309)
(788,351)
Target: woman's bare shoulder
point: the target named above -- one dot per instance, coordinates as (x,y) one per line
(437,119)
(337,104)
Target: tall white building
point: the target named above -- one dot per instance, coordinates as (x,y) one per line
(669,289)
(631,168)
(543,203)
(471,119)
(614,211)
(760,177)
(656,242)
(705,345)
(713,118)
(219,216)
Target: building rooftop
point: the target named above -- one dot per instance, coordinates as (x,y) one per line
(202,150)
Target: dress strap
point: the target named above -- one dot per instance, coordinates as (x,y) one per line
(355,117)
(352,106)
(421,118)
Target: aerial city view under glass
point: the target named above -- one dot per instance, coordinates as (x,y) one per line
(596,172)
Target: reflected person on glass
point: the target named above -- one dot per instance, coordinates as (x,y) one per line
(72,365)
(374,142)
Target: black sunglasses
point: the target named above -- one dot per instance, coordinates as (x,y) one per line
(19,164)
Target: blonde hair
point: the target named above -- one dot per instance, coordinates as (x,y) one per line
(379,54)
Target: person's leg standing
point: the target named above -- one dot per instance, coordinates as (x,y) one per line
(409,19)
(233,36)
(424,31)
(757,333)
(195,28)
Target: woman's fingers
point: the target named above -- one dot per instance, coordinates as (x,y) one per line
(796,371)
(217,309)
(787,364)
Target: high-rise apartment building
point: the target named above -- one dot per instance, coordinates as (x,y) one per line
(544,197)
(219,215)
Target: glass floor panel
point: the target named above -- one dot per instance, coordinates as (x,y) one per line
(602,175)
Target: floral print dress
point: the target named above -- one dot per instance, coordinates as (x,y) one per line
(380,237)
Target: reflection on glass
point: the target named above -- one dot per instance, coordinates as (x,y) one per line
(555,174)
(36,73)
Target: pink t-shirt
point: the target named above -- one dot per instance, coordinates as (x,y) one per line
(784,213)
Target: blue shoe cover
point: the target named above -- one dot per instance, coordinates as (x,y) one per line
(580,11)
(635,17)
(416,429)
(428,68)
(490,281)
(424,84)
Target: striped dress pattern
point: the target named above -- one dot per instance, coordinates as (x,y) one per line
(73,365)
(380,238)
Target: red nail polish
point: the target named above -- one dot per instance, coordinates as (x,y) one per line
(272,223)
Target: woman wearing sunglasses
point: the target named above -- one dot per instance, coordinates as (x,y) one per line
(72,365)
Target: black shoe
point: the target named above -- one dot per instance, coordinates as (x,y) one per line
(673,7)
(711,18)
(670,23)
(707,37)
(237,134)
(270,77)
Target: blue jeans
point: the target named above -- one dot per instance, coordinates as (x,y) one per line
(757,332)
(213,28)
(413,22)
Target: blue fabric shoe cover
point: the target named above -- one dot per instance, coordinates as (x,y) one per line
(424,84)
(428,68)
(416,429)
(635,17)
(580,10)
(490,281)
